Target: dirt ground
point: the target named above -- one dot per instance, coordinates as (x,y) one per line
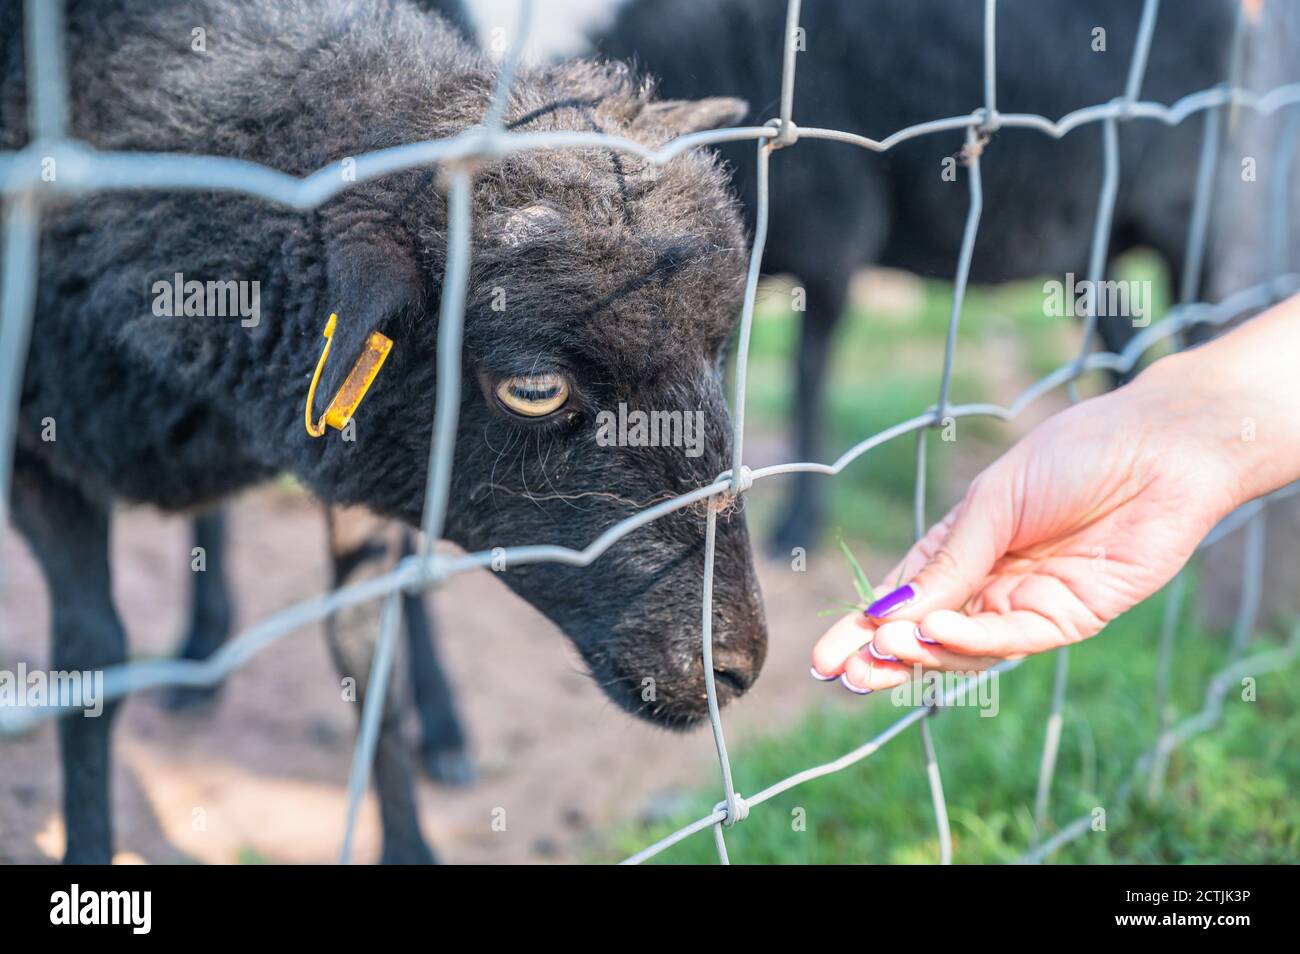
(263,776)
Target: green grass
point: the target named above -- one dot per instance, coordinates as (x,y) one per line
(1227,798)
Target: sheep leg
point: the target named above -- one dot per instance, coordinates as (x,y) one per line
(804,512)
(210,609)
(444,754)
(360,546)
(69,537)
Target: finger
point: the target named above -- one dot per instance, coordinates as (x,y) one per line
(1005,635)
(996,595)
(979,532)
(863,674)
(849,634)
(903,640)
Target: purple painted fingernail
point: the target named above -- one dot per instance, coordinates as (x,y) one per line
(817,675)
(877,654)
(907,593)
(844,681)
(922,638)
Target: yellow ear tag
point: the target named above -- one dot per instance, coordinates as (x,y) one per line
(344,404)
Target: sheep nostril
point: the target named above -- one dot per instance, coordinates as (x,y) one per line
(734,670)
(728,679)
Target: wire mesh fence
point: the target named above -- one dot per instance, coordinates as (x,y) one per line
(83,169)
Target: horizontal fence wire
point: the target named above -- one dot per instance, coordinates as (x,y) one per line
(83,169)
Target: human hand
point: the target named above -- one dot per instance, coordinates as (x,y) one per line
(1087,516)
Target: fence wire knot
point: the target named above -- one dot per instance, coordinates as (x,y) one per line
(787,132)
(741,480)
(422,571)
(990,121)
(736,807)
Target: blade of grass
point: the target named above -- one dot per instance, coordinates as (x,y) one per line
(846,606)
(860,581)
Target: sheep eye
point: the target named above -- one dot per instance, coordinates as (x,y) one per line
(533,395)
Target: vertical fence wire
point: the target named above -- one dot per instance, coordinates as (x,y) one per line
(762,203)
(732,800)
(1097,254)
(962,278)
(933,774)
(18,272)
(1252,578)
(1282,217)
(47,77)
(1110,175)
(1169,619)
(970,231)
(937,801)
(494,120)
(1137,67)
(1164,707)
(786,132)
(1051,742)
(372,714)
(990,59)
(451,320)
(47,121)
(1198,226)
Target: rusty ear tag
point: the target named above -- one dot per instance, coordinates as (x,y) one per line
(344,404)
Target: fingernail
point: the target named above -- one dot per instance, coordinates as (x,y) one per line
(877,654)
(844,681)
(819,676)
(922,638)
(899,598)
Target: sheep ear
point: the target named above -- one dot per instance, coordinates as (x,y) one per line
(682,116)
(371,285)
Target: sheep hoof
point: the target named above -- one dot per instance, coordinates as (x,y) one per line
(451,767)
(195,699)
(408,852)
